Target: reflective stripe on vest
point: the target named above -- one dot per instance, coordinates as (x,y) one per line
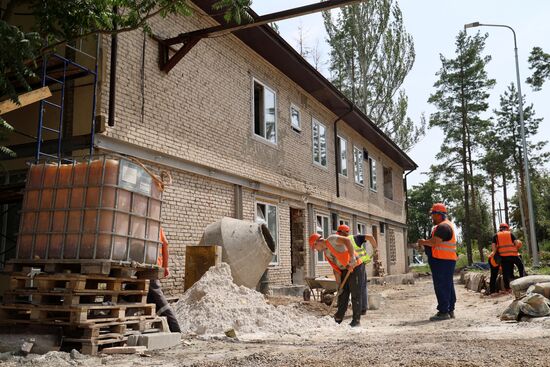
(445,250)
(340,259)
(361,251)
(505,245)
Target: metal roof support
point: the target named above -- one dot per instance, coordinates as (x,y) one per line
(190,39)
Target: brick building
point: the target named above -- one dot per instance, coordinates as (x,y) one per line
(248,129)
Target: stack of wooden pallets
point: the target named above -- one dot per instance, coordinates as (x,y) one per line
(97,304)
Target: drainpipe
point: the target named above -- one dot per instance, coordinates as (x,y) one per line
(337,149)
(406,221)
(112,77)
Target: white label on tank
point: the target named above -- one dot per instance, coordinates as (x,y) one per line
(129,174)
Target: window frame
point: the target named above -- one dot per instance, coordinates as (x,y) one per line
(319,164)
(298,128)
(266,204)
(342,159)
(324,232)
(276,116)
(373,186)
(360,227)
(358,162)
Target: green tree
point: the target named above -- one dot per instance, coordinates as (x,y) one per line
(460,98)
(420,199)
(539,62)
(508,134)
(371,54)
(59,21)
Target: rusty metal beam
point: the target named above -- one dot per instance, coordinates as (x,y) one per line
(190,39)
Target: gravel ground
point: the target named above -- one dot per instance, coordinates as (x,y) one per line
(398,334)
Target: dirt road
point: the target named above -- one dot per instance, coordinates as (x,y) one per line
(396,335)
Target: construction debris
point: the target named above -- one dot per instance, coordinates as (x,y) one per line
(216,304)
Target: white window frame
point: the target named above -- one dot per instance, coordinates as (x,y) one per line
(324,232)
(372,174)
(314,122)
(343,156)
(275,258)
(294,127)
(361,228)
(264,138)
(344,221)
(358,166)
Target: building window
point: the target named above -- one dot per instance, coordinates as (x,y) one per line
(393,250)
(267,214)
(343,148)
(322,227)
(361,228)
(319,143)
(388,183)
(265,117)
(295,118)
(372,174)
(344,221)
(358,166)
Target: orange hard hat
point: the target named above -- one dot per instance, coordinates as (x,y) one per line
(343,228)
(313,239)
(438,208)
(504,225)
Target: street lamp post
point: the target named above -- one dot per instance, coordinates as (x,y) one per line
(523,142)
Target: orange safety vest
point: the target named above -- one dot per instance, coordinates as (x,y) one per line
(446,250)
(505,245)
(339,260)
(161,252)
(493,262)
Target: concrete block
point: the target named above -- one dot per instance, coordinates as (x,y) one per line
(159,340)
(287,290)
(133,340)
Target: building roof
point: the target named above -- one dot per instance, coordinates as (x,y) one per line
(274,49)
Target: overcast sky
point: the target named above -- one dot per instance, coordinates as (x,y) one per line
(434,25)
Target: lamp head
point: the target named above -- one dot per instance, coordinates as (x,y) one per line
(471,25)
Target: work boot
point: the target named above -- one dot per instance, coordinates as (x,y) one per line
(452,314)
(355,323)
(363,313)
(337,320)
(440,316)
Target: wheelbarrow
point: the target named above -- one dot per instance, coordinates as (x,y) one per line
(322,289)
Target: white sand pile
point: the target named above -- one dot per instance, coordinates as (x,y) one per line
(215,304)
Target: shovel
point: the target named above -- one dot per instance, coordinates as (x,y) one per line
(339,291)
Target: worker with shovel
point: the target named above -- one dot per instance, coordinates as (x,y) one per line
(359,242)
(441,251)
(506,245)
(341,256)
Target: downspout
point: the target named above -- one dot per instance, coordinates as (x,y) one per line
(406,221)
(337,150)
(112,76)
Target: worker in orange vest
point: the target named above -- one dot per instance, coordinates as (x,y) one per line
(156,295)
(506,245)
(342,258)
(441,251)
(359,242)
(495,268)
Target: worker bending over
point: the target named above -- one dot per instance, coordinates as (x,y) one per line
(506,245)
(359,242)
(341,256)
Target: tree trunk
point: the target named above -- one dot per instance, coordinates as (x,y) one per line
(467,232)
(493,209)
(505,195)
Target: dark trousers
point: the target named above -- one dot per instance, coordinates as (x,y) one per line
(363,286)
(442,276)
(156,296)
(493,279)
(353,288)
(508,263)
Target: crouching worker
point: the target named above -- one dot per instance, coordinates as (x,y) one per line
(341,256)
(495,268)
(156,295)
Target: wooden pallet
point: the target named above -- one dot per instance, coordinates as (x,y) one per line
(61,315)
(75,298)
(98,267)
(119,328)
(92,346)
(76,282)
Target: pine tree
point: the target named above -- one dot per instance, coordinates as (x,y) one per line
(461,96)
(539,62)
(371,54)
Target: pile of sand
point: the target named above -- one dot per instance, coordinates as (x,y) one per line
(215,304)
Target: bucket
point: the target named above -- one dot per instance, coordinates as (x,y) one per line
(247,248)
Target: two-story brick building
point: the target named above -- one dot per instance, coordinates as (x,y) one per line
(250,130)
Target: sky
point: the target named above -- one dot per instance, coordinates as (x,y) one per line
(434,25)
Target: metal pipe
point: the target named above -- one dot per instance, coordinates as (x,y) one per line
(112,76)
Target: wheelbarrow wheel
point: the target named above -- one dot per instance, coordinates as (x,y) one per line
(307,294)
(326,297)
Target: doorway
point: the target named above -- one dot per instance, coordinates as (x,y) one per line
(297,245)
